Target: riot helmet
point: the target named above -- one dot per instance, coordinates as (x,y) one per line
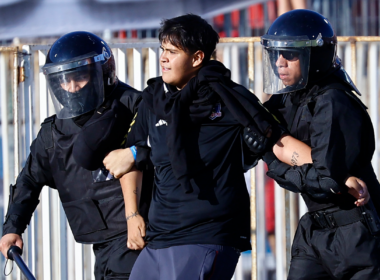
(79,69)
(298,49)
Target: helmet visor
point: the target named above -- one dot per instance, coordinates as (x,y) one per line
(285,69)
(76,91)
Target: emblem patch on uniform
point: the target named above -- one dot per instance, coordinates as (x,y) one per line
(216,111)
(161,122)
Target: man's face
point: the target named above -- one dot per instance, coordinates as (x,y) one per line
(178,66)
(73,82)
(289,68)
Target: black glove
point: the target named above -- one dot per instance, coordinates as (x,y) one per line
(256,142)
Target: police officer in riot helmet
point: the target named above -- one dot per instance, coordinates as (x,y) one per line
(296,54)
(93,110)
(79,78)
(316,99)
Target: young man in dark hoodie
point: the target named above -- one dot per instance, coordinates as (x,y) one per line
(192,119)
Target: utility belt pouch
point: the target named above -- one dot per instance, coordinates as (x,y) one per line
(371,218)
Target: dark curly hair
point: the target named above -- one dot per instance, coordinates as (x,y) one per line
(189,33)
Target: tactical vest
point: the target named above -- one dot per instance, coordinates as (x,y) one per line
(92,200)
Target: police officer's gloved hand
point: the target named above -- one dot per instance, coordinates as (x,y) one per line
(255,141)
(259,143)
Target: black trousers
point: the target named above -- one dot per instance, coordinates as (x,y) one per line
(345,252)
(113,259)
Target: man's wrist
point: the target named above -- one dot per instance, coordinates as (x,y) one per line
(133,214)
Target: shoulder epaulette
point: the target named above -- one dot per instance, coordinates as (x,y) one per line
(46,132)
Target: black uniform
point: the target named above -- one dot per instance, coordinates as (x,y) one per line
(332,240)
(93,203)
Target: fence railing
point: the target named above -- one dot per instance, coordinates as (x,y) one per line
(50,250)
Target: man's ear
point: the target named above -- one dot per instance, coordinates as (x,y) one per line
(198,57)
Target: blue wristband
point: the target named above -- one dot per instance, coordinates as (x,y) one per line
(134,151)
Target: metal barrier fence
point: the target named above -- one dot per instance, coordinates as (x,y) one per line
(50,250)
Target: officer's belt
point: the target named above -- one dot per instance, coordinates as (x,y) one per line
(335,218)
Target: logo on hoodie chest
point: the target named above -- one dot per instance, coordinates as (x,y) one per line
(216,111)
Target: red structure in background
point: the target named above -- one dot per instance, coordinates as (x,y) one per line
(269,205)
(219,25)
(122,34)
(256,19)
(256,16)
(235,19)
(270,212)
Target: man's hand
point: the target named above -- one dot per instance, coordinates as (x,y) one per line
(358,189)
(119,162)
(136,232)
(8,240)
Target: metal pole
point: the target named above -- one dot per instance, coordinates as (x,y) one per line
(253,225)
(235,70)
(251,75)
(353,61)
(4,134)
(45,194)
(15,112)
(287,231)
(374,98)
(261,232)
(16,103)
(137,69)
(279,231)
(251,67)
(4,127)
(152,53)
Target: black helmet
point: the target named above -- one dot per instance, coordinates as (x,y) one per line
(299,37)
(79,69)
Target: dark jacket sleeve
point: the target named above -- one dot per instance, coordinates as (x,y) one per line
(131,97)
(107,128)
(335,138)
(25,193)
